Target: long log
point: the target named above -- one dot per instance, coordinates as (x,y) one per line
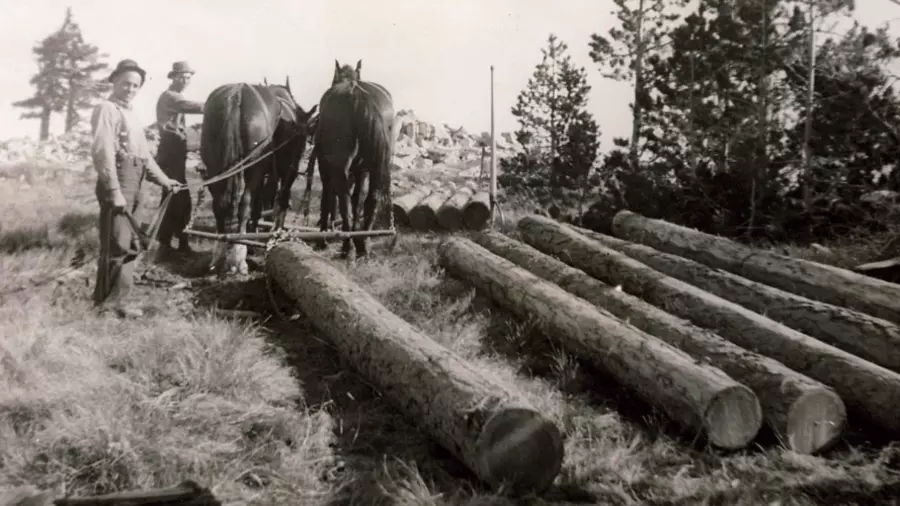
(477,210)
(697,395)
(450,215)
(403,205)
(817,281)
(869,337)
(485,424)
(865,388)
(807,415)
(423,217)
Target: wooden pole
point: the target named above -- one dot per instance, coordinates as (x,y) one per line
(493,189)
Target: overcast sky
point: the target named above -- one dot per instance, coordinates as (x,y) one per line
(434,56)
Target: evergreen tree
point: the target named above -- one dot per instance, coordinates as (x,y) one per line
(560,137)
(65,80)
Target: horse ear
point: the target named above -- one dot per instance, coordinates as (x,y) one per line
(265,82)
(287,82)
(337,66)
(358,66)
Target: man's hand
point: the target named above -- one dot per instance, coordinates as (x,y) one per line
(170,184)
(117,200)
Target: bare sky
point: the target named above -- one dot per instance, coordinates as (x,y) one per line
(434,56)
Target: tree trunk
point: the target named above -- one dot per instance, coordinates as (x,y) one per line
(817,281)
(477,211)
(865,387)
(71,110)
(637,109)
(807,415)
(406,203)
(697,395)
(423,217)
(483,423)
(865,336)
(44,132)
(450,215)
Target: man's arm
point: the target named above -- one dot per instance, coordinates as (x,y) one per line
(104,128)
(186,106)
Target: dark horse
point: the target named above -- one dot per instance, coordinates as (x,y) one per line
(354,139)
(240,120)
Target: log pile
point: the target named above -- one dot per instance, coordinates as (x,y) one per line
(434,206)
(697,395)
(865,388)
(485,424)
(794,406)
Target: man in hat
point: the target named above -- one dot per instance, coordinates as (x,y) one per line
(172,153)
(122,158)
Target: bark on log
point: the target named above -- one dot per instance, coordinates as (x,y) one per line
(485,424)
(807,415)
(423,217)
(865,336)
(450,215)
(477,210)
(403,205)
(698,395)
(817,281)
(865,388)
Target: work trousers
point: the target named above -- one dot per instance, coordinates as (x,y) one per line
(171,156)
(119,242)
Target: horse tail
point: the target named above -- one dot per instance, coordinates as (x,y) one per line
(233,150)
(376,145)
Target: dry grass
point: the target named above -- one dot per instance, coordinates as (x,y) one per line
(267,413)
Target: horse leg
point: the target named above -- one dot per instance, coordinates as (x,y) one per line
(343,198)
(220,211)
(326,204)
(369,211)
(237,261)
(360,177)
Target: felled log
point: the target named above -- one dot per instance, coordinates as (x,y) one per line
(483,423)
(423,217)
(450,215)
(477,210)
(403,205)
(817,281)
(871,338)
(807,415)
(697,395)
(865,388)
(187,493)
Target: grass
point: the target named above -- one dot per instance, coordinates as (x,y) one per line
(265,412)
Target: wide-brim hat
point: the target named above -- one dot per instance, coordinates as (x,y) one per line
(126,66)
(181,67)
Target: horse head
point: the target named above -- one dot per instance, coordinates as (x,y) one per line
(346,73)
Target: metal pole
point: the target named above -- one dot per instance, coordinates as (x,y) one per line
(493,191)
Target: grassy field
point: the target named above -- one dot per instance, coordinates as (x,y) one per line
(264,412)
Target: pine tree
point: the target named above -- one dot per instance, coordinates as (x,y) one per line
(560,137)
(65,79)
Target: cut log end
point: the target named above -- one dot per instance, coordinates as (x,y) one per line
(520,449)
(733,418)
(816,421)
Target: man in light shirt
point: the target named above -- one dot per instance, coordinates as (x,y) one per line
(121,158)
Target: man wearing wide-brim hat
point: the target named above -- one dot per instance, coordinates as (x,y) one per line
(121,158)
(172,152)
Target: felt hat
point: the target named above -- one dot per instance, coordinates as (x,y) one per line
(125,66)
(181,67)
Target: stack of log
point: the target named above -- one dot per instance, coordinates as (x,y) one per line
(719,336)
(436,206)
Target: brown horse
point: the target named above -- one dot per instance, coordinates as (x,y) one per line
(249,121)
(354,140)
